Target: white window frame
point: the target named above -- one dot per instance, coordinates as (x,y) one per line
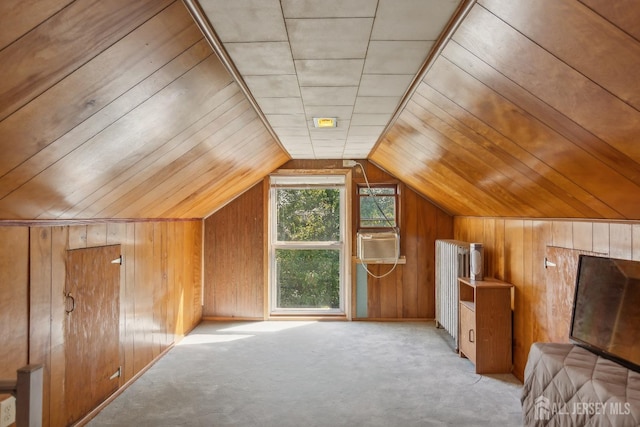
(339,179)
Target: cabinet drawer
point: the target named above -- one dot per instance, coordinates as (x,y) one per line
(468,332)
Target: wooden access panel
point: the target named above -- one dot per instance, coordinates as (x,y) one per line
(561,284)
(92,328)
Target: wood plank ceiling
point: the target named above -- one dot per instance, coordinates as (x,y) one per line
(120,109)
(532,109)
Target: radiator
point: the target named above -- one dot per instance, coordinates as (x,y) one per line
(452,261)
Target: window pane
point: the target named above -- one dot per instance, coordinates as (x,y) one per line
(372,209)
(377,190)
(311,215)
(308,278)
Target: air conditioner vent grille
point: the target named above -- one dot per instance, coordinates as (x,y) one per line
(381,247)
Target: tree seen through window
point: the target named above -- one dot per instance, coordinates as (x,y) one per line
(308,278)
(378,206)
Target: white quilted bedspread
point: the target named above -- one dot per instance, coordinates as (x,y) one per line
(566,385)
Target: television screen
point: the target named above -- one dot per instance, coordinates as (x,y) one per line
(606,308)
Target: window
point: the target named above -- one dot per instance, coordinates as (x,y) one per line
(378,206)
(307,215)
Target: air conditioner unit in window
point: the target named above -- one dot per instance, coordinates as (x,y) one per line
(378,248)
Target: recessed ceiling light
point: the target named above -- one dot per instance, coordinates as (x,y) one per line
(325,122)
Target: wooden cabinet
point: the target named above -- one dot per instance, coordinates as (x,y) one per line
(467,331)
(485,324)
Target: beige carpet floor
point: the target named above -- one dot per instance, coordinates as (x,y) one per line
(315,374)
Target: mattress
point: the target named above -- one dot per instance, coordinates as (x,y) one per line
(567,385)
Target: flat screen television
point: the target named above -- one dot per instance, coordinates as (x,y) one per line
(606,309)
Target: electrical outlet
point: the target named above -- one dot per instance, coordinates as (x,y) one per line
(348,163)
(8,411)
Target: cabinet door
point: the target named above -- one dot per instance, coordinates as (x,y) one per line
(468,332)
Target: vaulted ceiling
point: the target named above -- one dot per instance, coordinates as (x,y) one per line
(122,109)
(348,60)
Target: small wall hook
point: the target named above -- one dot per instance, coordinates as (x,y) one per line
(548,263)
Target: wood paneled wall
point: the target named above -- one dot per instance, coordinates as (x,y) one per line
(235,250)
(234,255)
(160,295)
(14,300)
(515,250)
(409,291)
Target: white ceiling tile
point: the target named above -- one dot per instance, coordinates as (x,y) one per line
(342,112)
(246,20)
(341,95)
(354,151)
(275,86)
(297,146)
(328,152)
(350,152)
(365,130)
(287,120)
(303,156)
(345,38)
(333,153)
(412,19)
(261,58)
(280,105)
(329,72)
(329,8)
(330,77)
(396,57)
(359,145)
(324,134)
(362,140)
(299,151)
(328,145)
(296,141)
(296,152)
(376,104)
(306,154)
(323,143)
(355,154)
(384,84)
(291,131)
(359,119)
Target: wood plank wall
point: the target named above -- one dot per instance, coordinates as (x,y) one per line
(515,251)
(234,258)
(234,283)
(14,300)
(160,295)
(409,291)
